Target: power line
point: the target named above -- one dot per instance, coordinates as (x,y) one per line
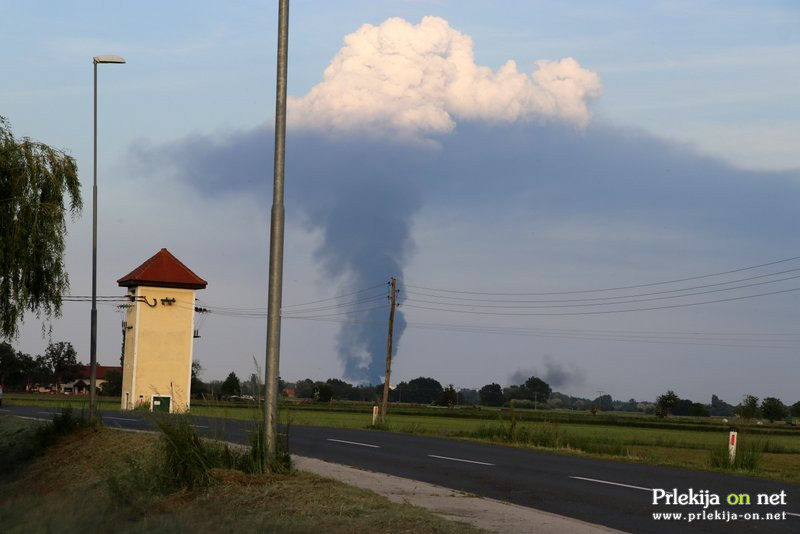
(582,335)
(583,302)
(664,292)
(335,297)
(635,286)
(604,312)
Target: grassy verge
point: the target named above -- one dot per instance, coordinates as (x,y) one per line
(67,489)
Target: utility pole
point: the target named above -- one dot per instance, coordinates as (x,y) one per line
(393,298)
(270,421)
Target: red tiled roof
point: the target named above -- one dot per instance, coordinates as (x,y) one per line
(163,270)
(86,371)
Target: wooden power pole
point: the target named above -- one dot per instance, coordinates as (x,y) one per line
(393,298)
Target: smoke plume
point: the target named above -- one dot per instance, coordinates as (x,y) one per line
(355,166)
(554,373)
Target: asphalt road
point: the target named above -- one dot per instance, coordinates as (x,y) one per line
(615,494)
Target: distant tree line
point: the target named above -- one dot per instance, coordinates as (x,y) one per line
(533,393)
(20,371)
(58,365)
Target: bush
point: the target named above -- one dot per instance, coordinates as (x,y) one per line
(748,457)
(184,461)
(63,424)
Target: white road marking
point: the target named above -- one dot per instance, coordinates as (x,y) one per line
(49,413)
(613,483)
(354,443)
(790,513)
(120,418)
(458,459)
(199,426)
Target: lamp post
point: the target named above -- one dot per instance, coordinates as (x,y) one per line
(93,342)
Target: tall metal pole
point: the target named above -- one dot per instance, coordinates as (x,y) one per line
(93,334)
(276,243)
(93,340)
(393,300)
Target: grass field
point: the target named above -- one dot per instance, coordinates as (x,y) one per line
(677,441)
(67,488)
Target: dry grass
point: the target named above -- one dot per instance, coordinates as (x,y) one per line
(66,490)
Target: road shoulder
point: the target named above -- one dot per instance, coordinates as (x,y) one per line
(488,514)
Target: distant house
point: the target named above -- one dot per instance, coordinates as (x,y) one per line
(81,385)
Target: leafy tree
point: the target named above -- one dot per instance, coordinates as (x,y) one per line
(231,386)
(468,396)
(199,389)
(113,383)
(62,361)
(304,389)
(794,409)
(517,393)
(666,403)
(368,393)
(323,392)
(215,389)
(342,390)
(254,386)
(604,403)
(539,388)
(721,408)
(421,390)
(35,370)
(448,397)
(491,395)
(773,409)
(698,409)
(682,407)
(37,183)
(748,408)
(9,366)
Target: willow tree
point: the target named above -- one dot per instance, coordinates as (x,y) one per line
(38,185)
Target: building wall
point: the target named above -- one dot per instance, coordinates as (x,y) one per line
(158,348)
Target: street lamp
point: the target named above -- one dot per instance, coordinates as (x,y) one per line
(93,342)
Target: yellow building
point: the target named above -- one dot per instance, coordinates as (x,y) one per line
(159,334)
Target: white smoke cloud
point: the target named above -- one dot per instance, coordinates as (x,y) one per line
(406,79)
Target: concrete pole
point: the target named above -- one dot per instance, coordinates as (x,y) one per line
(385,403)
(276,244)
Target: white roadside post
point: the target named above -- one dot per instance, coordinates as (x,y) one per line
(374,415)
(732,445)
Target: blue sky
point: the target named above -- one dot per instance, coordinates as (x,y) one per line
(685,166)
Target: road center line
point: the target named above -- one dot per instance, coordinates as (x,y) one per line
(121,418)
(354,443)
(49,413)
(458,460)
(613,483)
(200,426)
(790,513)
